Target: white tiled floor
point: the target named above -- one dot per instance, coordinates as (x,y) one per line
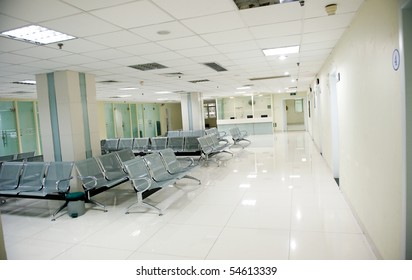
(276,199)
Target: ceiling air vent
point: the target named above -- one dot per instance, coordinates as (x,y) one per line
(249,4)
(108,82)
(148,66)
(199,81)
(174,74)
(215,66)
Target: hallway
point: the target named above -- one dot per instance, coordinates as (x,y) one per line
(275,199)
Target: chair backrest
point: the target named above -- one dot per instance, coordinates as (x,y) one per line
(234,132)
(139,175)
(191,144)
(173,133)
(158,143)
(125,155)
(141,144)
(32,177)
(89,167)
(176,143)
(111,166)
(204,145)
(36,158)
(24,155)
(7,158)
(170,160)
(58,176)
(111,144)
(10,175)
(125,143)
(156,167)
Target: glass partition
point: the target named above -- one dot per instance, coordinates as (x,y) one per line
(8,129)
(244,107)
(27,126)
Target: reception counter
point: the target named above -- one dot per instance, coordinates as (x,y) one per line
(253,126)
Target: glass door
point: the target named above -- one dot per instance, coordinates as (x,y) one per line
(9,143)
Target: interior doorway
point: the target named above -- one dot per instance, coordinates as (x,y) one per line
(333,79)
(294,114)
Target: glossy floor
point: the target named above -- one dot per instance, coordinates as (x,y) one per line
(275,199)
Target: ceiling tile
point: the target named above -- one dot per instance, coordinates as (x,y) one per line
(332,34)
(175,29)
(235,47)
(81,25)
(327,23)
(42,52)
(143,49)
(183,43)
(8,23)
(231,36)
(117,39)
(276,30)
(215,23)
(279,42)
(272,14)
(133,14)
(181,9)
(192,52)
(37,10)
(94,4)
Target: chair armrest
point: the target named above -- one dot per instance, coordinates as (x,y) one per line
(94,180)
(136,187)
(60,181)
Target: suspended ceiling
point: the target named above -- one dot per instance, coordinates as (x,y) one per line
(187,37)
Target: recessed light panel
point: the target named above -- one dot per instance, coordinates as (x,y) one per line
(37,35)
(281,51)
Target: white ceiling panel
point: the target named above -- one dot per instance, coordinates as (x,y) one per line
(158,32)
(133,14)
(81,25)
(184,43)
(8,45)
(272,14)
(327,35)
(180,34)
(215,23)
(94,4)
(225,37)
(117,39)
(37,10)
(327,23)
(278,42)
(181,9)
(193,52)
(81,45)
(42,52)
(237,47)
(73,59)
(277,30)
(7,23)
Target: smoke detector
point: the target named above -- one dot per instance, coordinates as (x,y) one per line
(331,9)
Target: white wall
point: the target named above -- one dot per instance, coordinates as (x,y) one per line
(370,123)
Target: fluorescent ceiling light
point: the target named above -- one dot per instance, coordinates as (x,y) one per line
(281,51)
(282,57)
(128,88)
(37,35)
(163,92)
(245,87)
(25,82)
(123,96)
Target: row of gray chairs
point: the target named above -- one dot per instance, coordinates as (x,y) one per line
(211,146)
(17,157)
(239,136)
(104,172)
(155,171)
(42,180)
(179,144)
(186,133)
